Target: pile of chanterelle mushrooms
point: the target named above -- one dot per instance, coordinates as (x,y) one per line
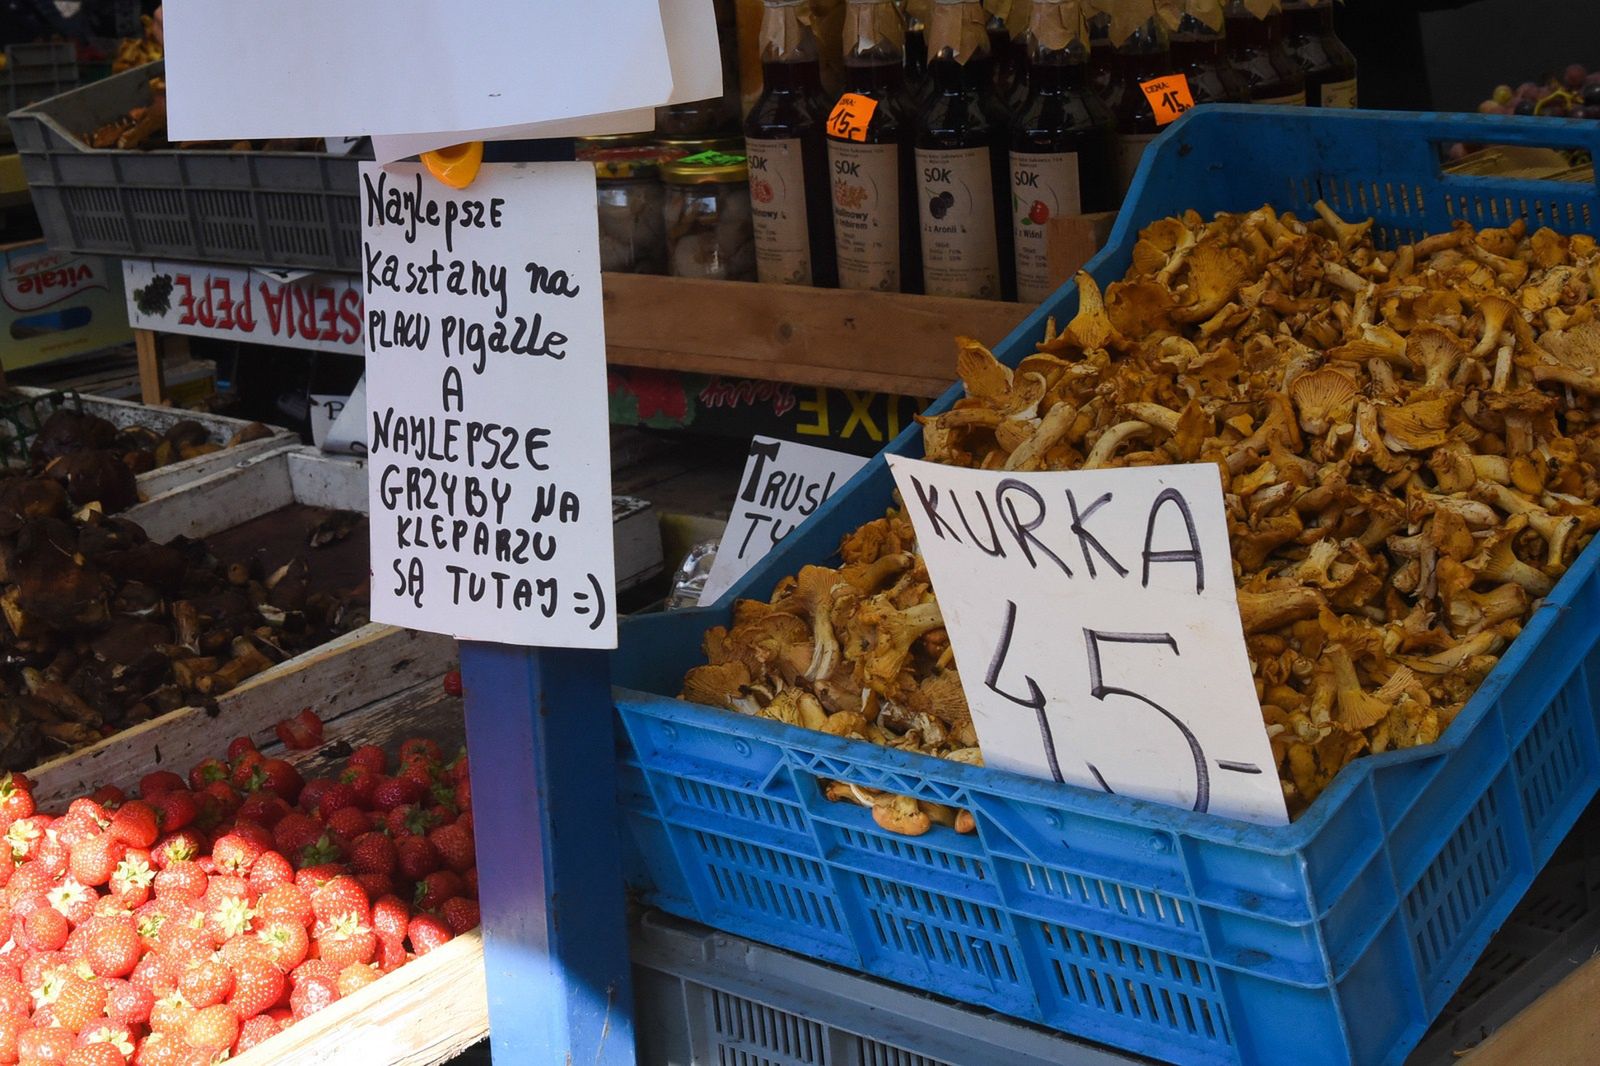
(1408,445)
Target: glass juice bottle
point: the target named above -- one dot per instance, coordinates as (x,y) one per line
(1256,48)
(963,197)
(1063,144)
(1200,54)
(1310,40)
(786,142)
(870,156)
(1144,56)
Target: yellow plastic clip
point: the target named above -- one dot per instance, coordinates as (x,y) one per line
(457,165)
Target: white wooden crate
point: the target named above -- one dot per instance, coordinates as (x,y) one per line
(121,413)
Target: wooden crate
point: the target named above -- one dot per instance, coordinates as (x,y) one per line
(121,413)
(367,664)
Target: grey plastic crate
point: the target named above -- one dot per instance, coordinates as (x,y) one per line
(706,998)
(278,209)
(35,72)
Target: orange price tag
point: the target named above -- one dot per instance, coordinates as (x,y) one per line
(1169,96)
(851,115)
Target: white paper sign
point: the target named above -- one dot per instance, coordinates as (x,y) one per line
(488,443)
(690,28)
(290,309)
(237,69)
(1095,620)
(485,70)
(783,485)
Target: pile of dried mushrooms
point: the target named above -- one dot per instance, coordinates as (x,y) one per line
(1408,445)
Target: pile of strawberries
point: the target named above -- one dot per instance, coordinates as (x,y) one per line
(203,916)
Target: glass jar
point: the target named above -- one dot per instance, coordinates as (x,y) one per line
(707,214)
(627,170)
(673,147)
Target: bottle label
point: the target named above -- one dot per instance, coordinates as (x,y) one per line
(955,199)
(1130,149)
(778,211)
(1044,186)
(866,214)
(1338,94)
(1292,100)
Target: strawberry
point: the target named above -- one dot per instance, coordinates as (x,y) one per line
(236,853)
(212,1029)
(286,902)
(258,984)
(369,757)
(155,976)
(87,810)
(417,857)
(277,776)
(99,1053)
(183,845)
(313,994)
(325,850)
(391,954)
(206,983)
(108,796)
(158,782)
(75,900)
(294,831)
(136,824)
(375,885)
(363,783)
(336,796)
(373,853)
(42,1046)
(421,747)
(175,809)
(237,747)
(181,880)
(270,870)
(96,1053)
(340,896)
(410,820)
(255,1031)
(452,684)
(114,947)
(264,809)
(95,859)
(345,940)
(312,878)
(170,1014)
(131,881)
(207,771)
(218,800)
(349,822)
(460,914)
(434,889)
(11,1027)
(127,1003)
(418,771)
(426,933)
(455,846)
(392,792)
(390,916)
(240,772)
(229,916)
(300,733)
(79,1003)
(356,976)
(45,930)
(286,942)
(14,998)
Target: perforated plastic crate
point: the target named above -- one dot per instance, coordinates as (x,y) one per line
(278,209)
(1185,937)
(35,72)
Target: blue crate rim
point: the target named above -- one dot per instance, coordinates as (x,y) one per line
(1153,817)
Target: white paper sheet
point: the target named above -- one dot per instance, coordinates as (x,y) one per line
(296,68)
(489,447)
(690,28)
(1097,627)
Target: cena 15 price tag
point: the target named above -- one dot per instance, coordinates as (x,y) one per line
(1169,97)
(1094,619)
(851,116)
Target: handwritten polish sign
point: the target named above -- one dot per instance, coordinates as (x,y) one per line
(783,484)
(489,468)
(1094,617)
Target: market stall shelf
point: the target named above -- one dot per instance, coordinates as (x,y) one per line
(1174,935)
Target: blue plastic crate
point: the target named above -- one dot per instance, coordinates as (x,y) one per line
(1186,937)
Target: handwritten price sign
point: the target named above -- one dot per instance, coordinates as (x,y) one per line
(1094,618)
(1169,96)
(851,116)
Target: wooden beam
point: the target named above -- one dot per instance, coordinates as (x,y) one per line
(882,342)
(1560,1028)
(152,380)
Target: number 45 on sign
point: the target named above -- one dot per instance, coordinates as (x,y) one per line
(1094,618)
